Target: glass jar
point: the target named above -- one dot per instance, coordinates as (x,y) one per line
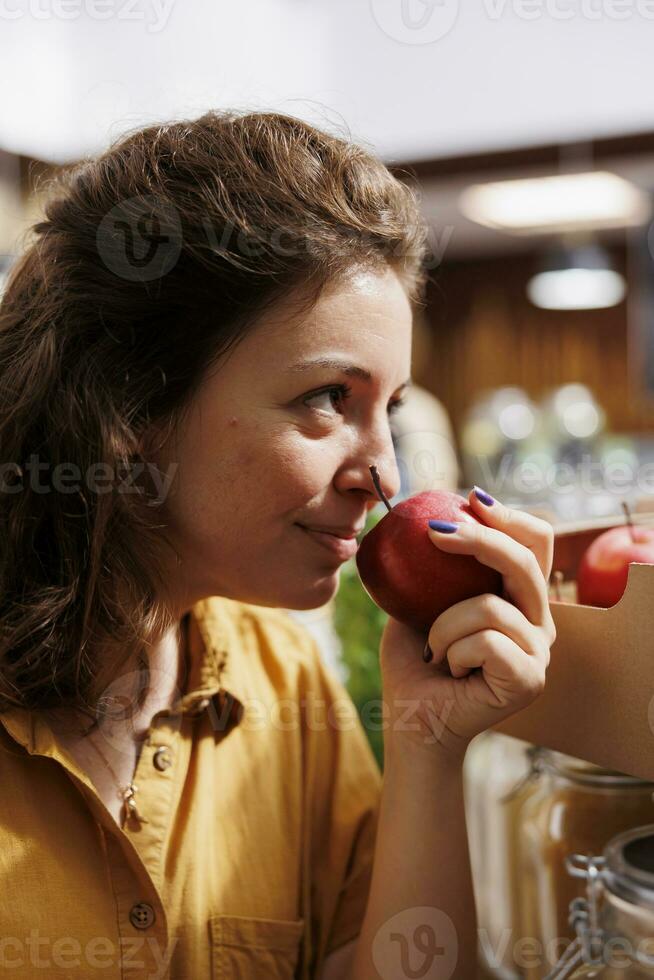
(498,772)
(614,925)
(576,808)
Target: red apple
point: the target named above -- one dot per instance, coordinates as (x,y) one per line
(602,574)
(407,575)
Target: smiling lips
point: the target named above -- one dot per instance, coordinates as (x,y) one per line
(343,547)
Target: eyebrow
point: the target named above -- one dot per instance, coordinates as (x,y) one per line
(336,364)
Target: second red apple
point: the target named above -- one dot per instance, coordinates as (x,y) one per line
(604,568)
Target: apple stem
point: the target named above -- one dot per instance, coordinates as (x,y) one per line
(630,522)
(380,492)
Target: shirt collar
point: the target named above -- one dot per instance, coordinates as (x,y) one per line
(216,679)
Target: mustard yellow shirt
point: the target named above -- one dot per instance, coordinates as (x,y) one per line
(261,798)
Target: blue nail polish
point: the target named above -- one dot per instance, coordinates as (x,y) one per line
(427,654)
(483,496)
(445,527)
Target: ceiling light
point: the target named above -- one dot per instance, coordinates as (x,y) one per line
(517,422)
(569,202)
(577,279)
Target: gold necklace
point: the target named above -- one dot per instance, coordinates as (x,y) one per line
(128,793)
(125,793)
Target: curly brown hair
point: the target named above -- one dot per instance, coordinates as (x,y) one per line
(152,261)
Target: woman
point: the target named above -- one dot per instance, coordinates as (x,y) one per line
(199,355)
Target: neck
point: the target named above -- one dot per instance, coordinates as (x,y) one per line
(151,680)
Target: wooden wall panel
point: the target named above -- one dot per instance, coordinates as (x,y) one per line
(486,333)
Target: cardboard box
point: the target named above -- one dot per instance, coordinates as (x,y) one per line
(598,703)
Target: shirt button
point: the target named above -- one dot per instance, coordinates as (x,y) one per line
(141,916)
(161,759)
(200,706)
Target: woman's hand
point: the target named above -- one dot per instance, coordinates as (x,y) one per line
(490,653)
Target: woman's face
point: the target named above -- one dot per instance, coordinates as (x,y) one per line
(270,444)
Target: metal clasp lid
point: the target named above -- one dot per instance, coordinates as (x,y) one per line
(583,917)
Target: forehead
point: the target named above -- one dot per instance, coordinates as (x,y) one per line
(368,314)
(364,321)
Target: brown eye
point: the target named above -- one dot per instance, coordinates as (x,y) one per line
(341,391)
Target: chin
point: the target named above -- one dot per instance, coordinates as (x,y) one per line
(303,595)
(314,595)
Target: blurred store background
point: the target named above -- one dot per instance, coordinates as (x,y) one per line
(527,128)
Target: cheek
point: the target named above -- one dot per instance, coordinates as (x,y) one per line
(254,474)
(303,466)
(278,472)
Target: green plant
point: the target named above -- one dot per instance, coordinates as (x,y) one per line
(359,624)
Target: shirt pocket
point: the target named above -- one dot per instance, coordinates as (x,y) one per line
(254,948)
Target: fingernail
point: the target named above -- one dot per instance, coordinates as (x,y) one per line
(445,527)
(427,653)
(483,496)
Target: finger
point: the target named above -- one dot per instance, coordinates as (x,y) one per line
(511,677)
(523,578)
(530,531)
(487,612)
